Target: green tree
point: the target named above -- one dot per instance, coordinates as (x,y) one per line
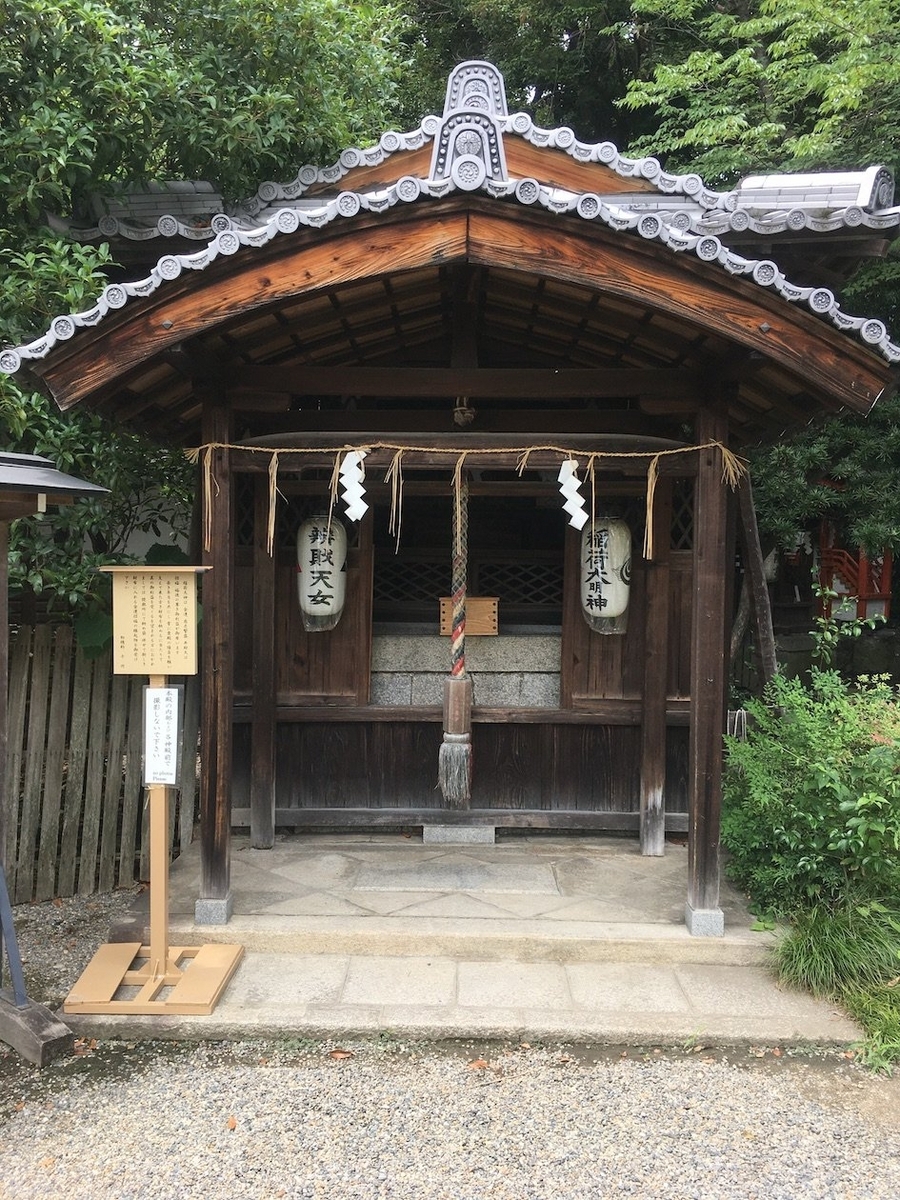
(741,85)
(566,63)
(93,96)
(845,470)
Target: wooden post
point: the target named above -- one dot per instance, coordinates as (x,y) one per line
(158,799)
(653,704)
(759,592)
(6,821)
(214,904)
(262,750)
(708,679)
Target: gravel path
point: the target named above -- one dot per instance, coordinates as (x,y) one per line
(258,1121)
(384,1121)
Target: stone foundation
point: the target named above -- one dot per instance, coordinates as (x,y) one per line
(509,671)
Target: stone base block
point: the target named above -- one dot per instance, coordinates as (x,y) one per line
(704,922)
(33,1031)
(458,835)
(214,911)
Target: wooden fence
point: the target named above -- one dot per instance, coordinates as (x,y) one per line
(77,821)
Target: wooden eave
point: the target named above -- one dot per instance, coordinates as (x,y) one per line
(550,292)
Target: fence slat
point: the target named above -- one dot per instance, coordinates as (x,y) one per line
(133,787)
(19,671)
(34,763)
(74,779)
(112,786)
(93,784)
(75,766)
(48,852)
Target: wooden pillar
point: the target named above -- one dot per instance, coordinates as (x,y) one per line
(262,749)
(214,905)
(653,701)
(708,679)
(7,821)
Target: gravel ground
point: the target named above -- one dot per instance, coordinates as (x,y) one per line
(380,1119)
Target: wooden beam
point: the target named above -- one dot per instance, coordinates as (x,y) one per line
(653,701)
(837,366)
(375,423)
(216,725)
(502,818)
(262,737)
(510,383)
(306,263)
(322,710)
(708,677)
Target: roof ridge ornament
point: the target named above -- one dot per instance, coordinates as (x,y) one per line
(476,84)
(468,146)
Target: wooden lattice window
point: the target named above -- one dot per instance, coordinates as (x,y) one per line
(515,552)
(683,515)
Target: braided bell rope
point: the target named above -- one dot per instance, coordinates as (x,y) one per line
(459,573)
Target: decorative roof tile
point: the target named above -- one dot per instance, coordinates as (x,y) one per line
(468,155)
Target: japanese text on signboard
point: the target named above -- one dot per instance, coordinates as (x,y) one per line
(155,622)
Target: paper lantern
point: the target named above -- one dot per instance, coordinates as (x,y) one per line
(605,574)
(321,572)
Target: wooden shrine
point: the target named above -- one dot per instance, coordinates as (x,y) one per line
(472,305)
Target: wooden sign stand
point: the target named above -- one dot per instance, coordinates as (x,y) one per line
(193,978)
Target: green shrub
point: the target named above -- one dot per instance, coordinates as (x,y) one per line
(811,812)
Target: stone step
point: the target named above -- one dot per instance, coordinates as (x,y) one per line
(482,940)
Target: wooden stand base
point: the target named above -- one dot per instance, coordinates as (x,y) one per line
(194,979)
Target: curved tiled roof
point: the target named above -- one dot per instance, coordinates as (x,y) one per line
(468,155)
(346,205)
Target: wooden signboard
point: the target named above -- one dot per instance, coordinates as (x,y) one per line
(155,634)
(481,616)
(154,620)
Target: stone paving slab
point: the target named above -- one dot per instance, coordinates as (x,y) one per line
(437,997)
(578,939)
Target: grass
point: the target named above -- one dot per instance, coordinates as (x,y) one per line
(827,951)
(877,1009)
(851,955)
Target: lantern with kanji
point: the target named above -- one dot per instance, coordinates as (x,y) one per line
(606,574)
(321,572)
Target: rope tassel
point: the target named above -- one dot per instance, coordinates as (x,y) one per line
(455,756)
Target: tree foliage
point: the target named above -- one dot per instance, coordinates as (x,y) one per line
(567,63)
(741,86)
(96,95)
(845,470)
(746,85)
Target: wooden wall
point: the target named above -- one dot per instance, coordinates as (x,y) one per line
(581,759)
(392,765)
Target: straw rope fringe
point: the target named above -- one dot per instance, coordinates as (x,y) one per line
(394,477)
(733,469)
